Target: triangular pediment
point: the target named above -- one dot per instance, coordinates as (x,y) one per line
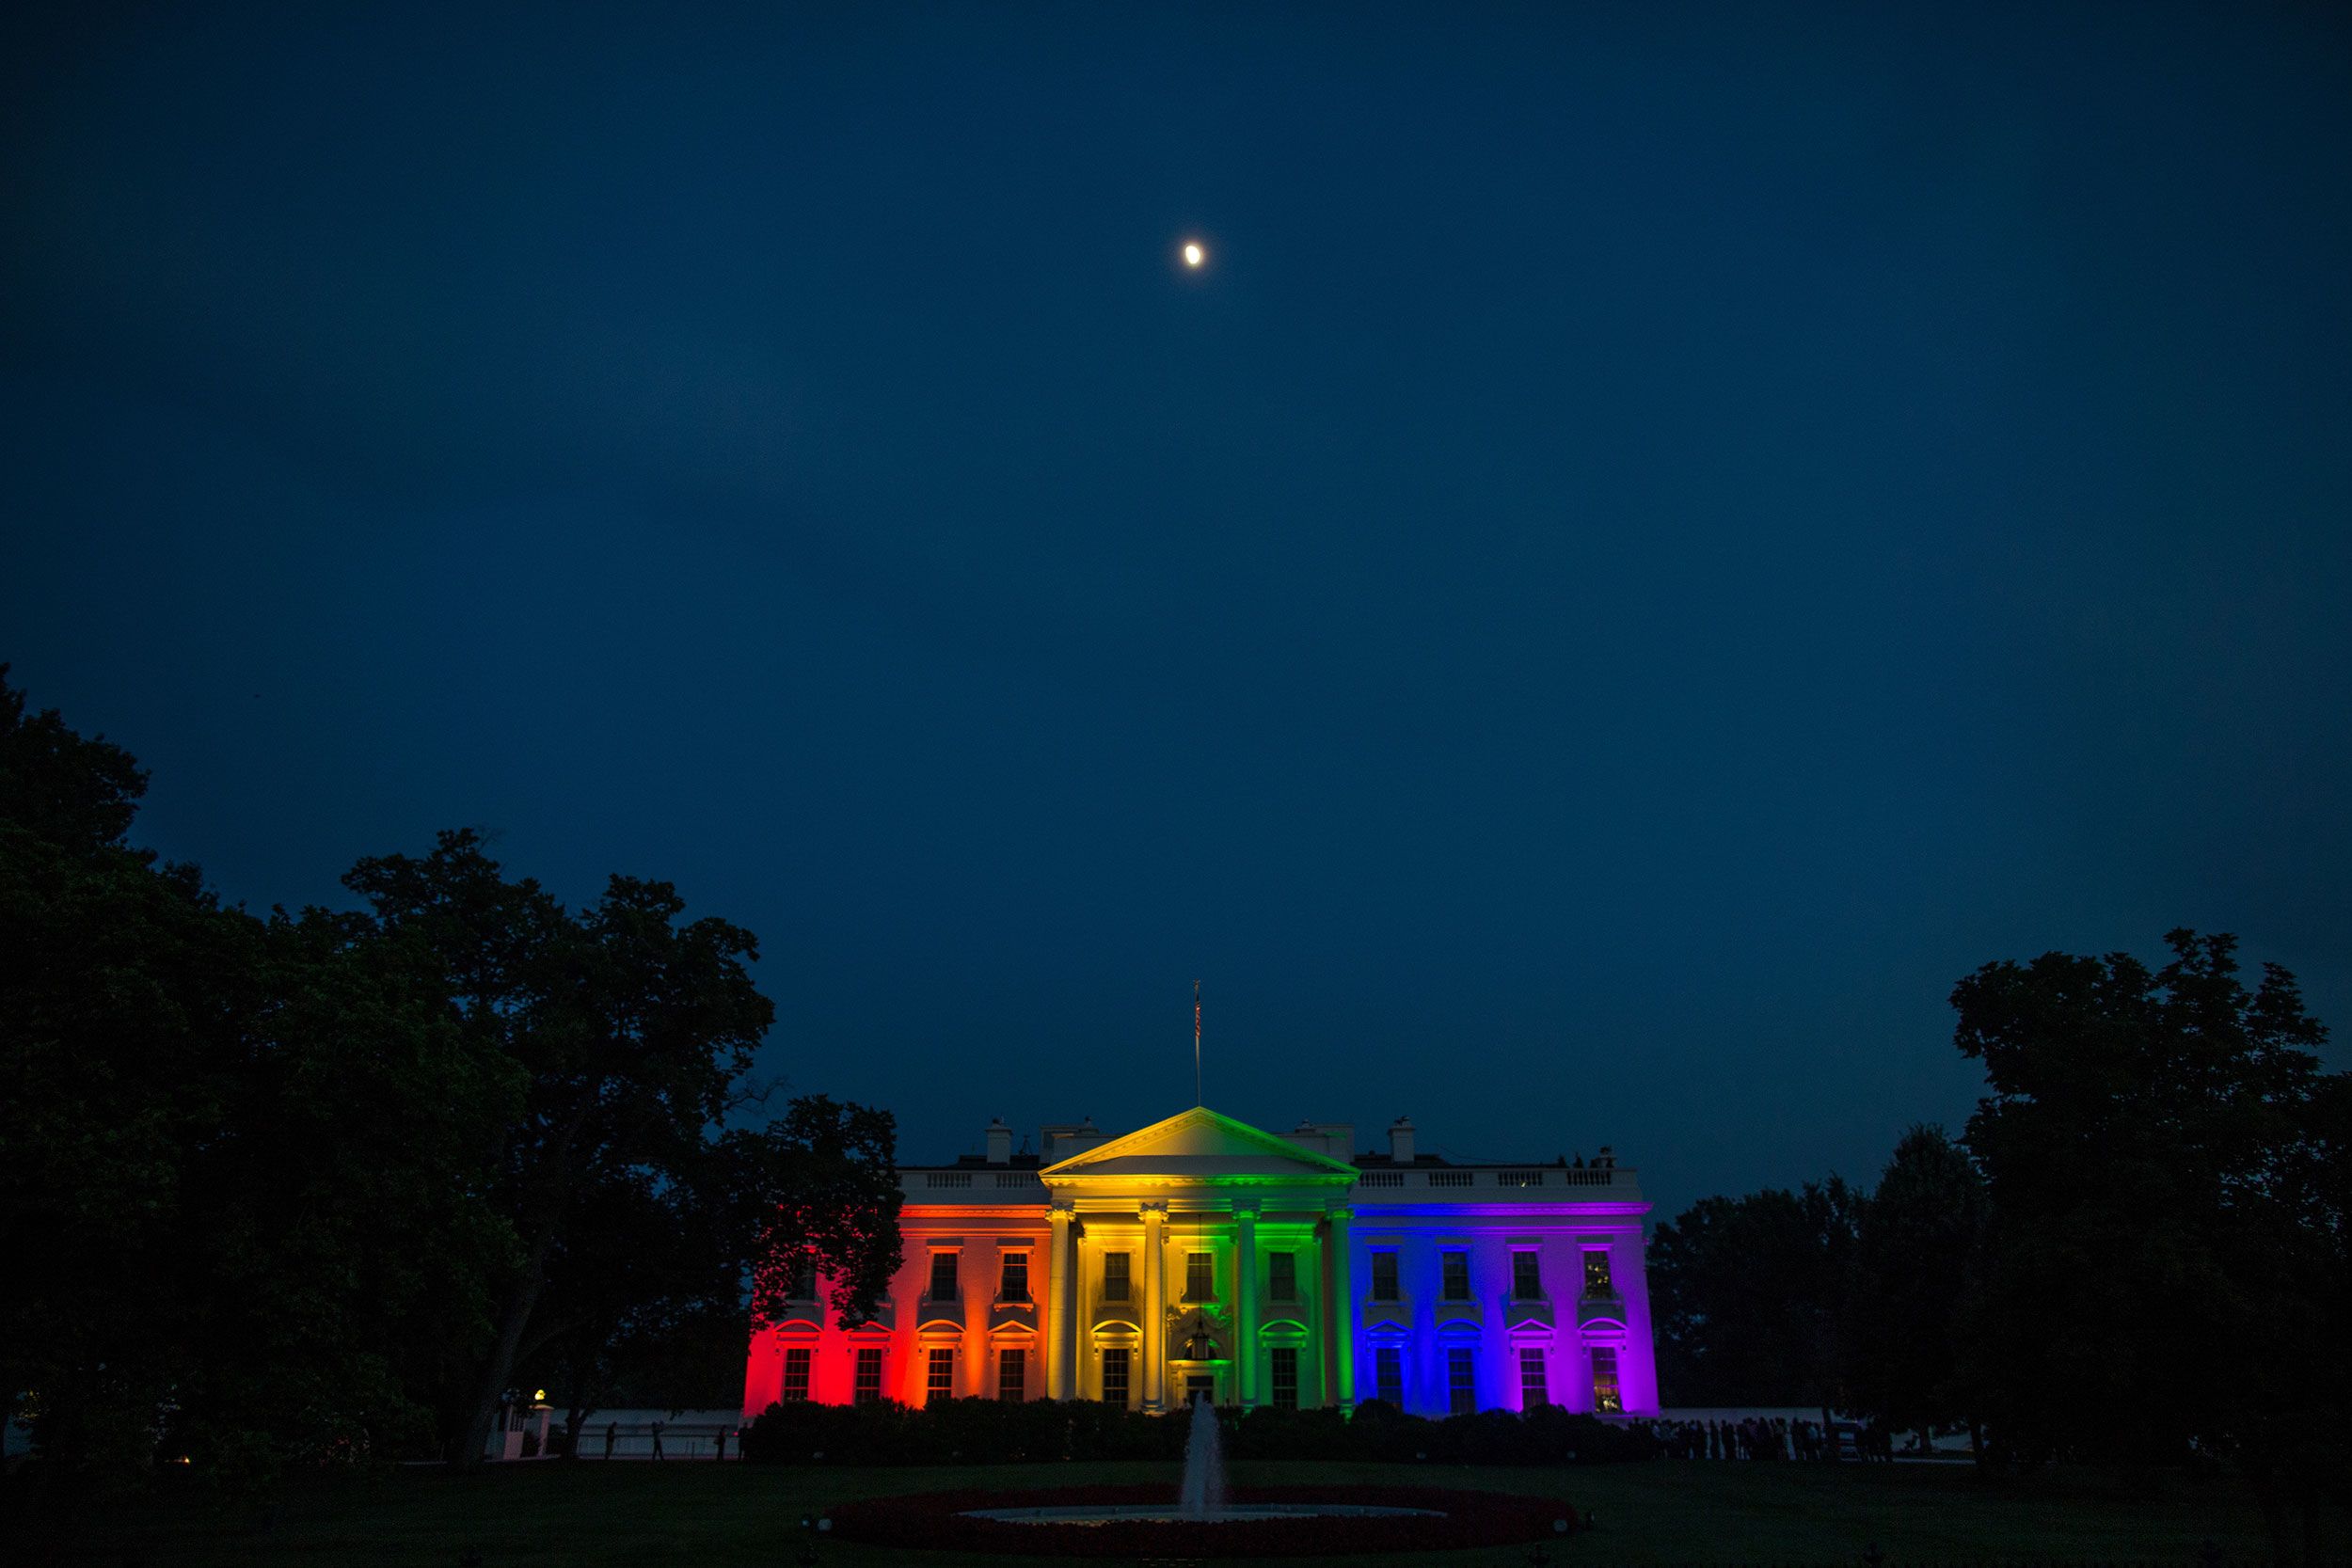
(1201,1143)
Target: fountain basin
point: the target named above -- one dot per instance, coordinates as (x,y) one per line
(1233,1514)
(1138,1523)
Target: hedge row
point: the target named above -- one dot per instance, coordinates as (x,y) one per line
(989,1432)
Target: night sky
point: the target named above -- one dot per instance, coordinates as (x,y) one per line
(1660,539)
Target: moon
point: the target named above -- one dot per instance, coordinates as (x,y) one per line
(1193,255)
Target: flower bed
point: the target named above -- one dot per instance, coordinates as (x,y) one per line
(940,1519)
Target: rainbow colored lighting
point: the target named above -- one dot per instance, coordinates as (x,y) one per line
(1467,1286)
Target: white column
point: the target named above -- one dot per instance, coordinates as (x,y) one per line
(1154,1307)
(1061,1334)
(1246,1304)
(1343,1306)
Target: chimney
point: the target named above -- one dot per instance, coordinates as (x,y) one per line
(999,1142)
(1058,1141)
(1334,1138)
(1400,1141)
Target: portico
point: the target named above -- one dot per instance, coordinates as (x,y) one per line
(1168,1223)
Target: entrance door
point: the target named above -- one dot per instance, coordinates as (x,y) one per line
(1199,1384)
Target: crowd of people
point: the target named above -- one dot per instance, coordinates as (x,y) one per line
(1770,1437)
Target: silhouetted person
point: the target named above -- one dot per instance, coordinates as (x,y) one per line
(611,1436)
(657,1439)
(718,1449)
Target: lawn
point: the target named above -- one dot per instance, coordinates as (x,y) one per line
(718,1516)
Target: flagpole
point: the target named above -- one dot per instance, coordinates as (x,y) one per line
(1196,1044)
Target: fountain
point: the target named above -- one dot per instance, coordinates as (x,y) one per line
(1202,1495)
(1130,1522)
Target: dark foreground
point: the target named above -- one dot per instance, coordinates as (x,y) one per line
(716,1516)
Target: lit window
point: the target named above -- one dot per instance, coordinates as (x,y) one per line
(1461,1381)
(1605,1397)
(1527,1277)
(1388,1374)
(1200,1277)
(1012,1281)
(1282,1276)
(1114,1375)
(1597,1274)
(1114,1276)
(943,1276)
(1456,1274)
(939,1383)
(796,1373)
(1384,1276)
(867,1388)
(1285,1362)
(1535,1392)
(1012,1375)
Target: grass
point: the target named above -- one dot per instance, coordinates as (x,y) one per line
(721,1516)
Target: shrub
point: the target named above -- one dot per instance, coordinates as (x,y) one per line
(990,1432)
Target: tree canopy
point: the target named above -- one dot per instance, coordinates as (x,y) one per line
(299,1184)
(237,1147)
(2168,1271)
(1745,1296)
(1917,1255)
(2139,1251)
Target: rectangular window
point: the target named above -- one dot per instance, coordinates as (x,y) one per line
(796,1373)
(1200,1277)
(1114,1375)
(1456,1276)
(1384,1276)
(803,1285)
(1527,1277)
(867,1389)
(1284,1359)
(1114,1276)
(1605,1399)
(1534,1393)
(1282,1276)
(1012,1375)
(944,1276)
(1013,1279)
(1461,1382)
(1388,1374)
(1597,1274)
(940,1381)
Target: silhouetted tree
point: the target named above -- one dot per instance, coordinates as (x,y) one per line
(76,795)
(292,1188)
(236,1149)
(1915,1258)
(633,1033)
(646,1299)
(1746,1296)
(818,1189)
(629,1032)
(2167,1268)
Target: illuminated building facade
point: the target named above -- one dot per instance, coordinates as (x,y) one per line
(1204,1254)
